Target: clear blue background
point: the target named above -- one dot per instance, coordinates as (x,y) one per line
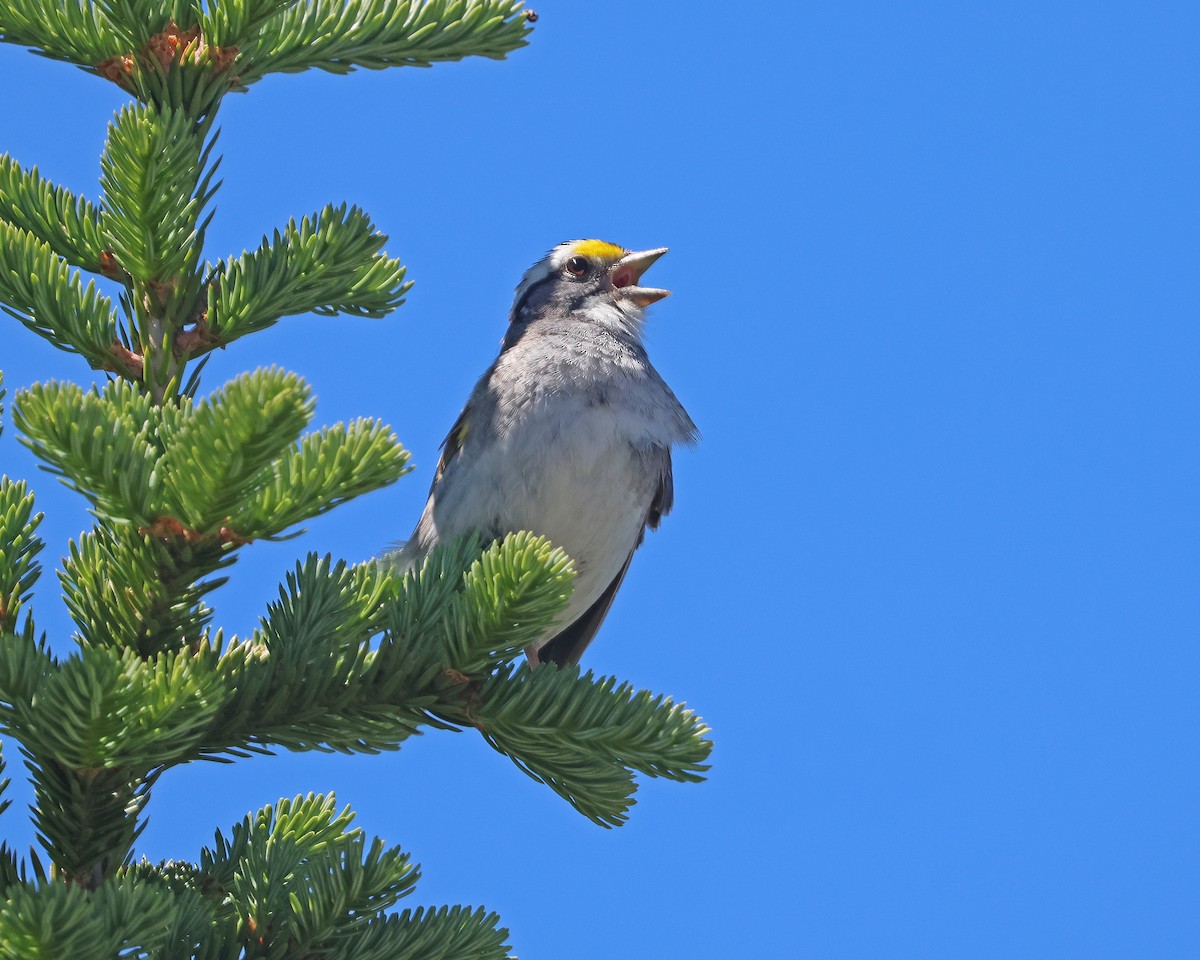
(932,575)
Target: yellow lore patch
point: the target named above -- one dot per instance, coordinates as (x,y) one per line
(599,249)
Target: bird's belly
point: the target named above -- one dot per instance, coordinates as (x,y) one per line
(595,515)
(585,492)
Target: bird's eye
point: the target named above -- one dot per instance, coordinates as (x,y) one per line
(578,266)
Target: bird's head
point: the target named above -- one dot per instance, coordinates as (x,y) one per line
(587,275)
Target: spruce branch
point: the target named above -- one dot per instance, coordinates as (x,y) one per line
(580,735)
(52,921)
(140,580)
(11,872)
(297,881)
(301,880)
(310,678)
(202,922)
(342,891)
(340,35)
(230,25)
(331,263)
(451,627)
(77,32)
(70,225)
(96,732)
(231,471)
(218,449)
(462,614)
(19,547)
(40,289)
(124,587)
(138,20)
(445,933)
(311,824)
(173,67)
(425,595)
(25,663)
(112,709)
(509,596)
(326,469)
(583,737)
(307,678)
(86,820)
(233,468)
(102,443)
(156,180)
(596,716)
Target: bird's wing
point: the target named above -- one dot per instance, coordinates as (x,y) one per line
(664,497)
(452,444)
(567,646)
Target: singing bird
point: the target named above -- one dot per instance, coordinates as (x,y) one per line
(567,434)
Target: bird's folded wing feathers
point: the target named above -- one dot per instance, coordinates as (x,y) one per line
(451,445)
(567,646)
(664,497)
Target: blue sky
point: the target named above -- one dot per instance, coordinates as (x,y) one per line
(931,576)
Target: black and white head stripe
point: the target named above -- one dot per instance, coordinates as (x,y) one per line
(551,266)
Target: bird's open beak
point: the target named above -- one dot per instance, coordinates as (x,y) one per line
(626,273)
